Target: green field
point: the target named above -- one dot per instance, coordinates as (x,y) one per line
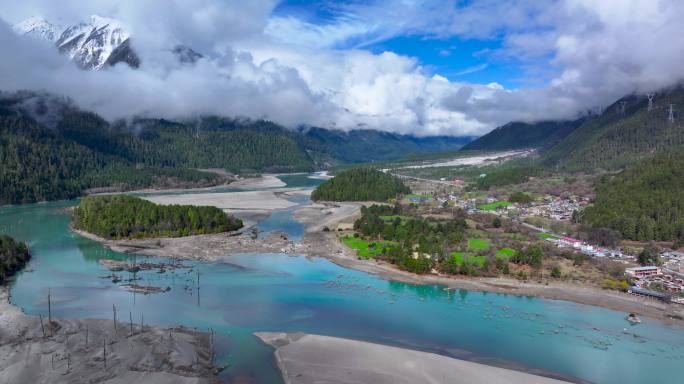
(365,248)
(506,252)
(393,217)
(544,236)
(478,244)
(460,257)
(494,206)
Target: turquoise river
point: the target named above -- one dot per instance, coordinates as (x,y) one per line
(242,294)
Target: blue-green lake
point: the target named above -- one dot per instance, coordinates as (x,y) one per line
(241,294)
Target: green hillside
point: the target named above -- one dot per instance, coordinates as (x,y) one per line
(613,140)
(524,135)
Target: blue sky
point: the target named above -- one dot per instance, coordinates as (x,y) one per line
(472,60)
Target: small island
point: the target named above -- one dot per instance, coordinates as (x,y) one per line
(360,184)
(13,256)
(125,217)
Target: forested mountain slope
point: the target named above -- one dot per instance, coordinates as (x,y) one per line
(50,150)
(358,146)
(644,202)
(614,140)
(524,135)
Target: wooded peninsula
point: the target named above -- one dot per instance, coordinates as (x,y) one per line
(121,217)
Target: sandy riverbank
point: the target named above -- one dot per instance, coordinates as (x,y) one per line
(265,181)
(202,247)
(249,206)
(248,200)
(151,355)
(309,359)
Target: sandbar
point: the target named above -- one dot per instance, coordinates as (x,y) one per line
(310,359)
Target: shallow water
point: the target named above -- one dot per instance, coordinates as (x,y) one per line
(272,292)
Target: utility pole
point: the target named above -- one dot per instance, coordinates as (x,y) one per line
(650,100)
(50,311)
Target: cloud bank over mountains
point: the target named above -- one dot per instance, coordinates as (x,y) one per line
(581,54)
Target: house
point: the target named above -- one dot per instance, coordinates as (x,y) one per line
(641,272)
(673,255)
(570,242)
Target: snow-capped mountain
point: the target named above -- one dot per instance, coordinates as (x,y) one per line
(99,43)
(39,28)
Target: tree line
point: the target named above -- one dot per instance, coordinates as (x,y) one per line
(121,216)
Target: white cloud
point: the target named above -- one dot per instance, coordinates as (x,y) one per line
(288,70)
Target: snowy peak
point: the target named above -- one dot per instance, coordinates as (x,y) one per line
(40,28)
(99,43)
(93,45)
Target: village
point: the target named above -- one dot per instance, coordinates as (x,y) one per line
(661,282)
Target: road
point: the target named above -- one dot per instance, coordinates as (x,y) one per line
(441,182)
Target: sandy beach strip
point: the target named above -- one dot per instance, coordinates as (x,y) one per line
(250,200)
(309,359)
(65,355)
(200,247)
(265,181)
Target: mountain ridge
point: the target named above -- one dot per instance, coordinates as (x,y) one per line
(626,132)
(518,135)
